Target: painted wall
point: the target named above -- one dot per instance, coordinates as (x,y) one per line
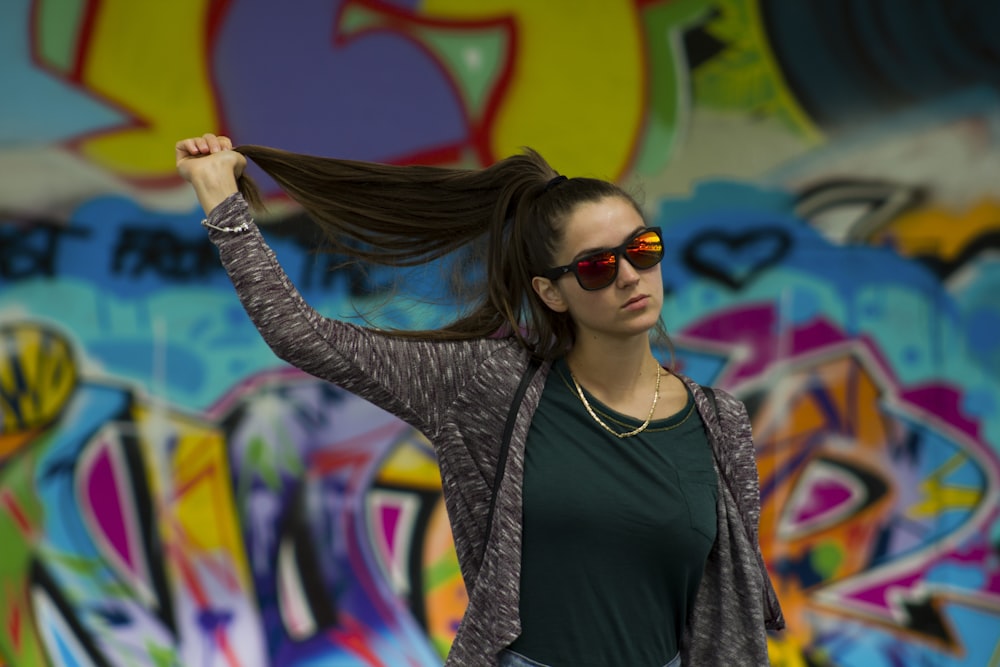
(172,494)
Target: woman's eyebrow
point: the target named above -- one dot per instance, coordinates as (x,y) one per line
(591,251)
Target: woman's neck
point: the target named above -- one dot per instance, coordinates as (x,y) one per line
(613,367)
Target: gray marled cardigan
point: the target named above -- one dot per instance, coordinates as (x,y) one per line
(458,393)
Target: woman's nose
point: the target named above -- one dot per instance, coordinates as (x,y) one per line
(627,274)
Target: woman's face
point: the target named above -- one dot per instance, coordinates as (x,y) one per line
(631,304)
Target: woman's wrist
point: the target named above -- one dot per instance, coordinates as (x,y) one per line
(213,187)
(213,176)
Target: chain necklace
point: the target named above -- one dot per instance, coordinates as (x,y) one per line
(636,431)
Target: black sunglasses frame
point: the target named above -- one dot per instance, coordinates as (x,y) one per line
(559,271)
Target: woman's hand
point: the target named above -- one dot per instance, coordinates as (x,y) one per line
(210,165)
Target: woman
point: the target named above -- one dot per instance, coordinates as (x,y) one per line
(616,522)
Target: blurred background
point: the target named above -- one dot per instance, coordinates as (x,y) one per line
(826,174)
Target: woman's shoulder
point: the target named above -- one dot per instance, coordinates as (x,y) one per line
(503,357)
(725,416)
(726,407)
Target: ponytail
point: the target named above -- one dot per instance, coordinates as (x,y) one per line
(410,215)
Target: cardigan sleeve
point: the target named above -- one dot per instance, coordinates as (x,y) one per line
(414,379)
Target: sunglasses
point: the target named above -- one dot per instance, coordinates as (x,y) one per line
(598,270)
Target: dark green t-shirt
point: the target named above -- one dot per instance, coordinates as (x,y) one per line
(616,532)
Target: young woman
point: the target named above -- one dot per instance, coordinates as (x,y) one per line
(616,522)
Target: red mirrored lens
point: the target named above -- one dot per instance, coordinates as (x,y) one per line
(597,271)
(645,250)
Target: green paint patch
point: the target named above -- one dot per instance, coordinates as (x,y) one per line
(669,96)
(57,32)
(442,646)
(81,565)
(444,570)
(162,656)
(474,57)
(259,457)
(826,558)
(744,76)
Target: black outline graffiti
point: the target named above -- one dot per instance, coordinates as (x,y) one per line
(700,45)
(141,249)
(734,241)
(40,578)
(295,529)
(884,202)
(33,251)
(975,247)
(416,567)
(147,519)
(46,372)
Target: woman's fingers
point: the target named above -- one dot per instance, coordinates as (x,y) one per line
(186,147)
(211,143)
(206,144)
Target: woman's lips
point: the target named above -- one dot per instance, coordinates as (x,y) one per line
(636,303)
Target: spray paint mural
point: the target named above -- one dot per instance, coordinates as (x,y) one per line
(171,494)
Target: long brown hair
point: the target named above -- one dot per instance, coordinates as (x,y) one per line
(409,215)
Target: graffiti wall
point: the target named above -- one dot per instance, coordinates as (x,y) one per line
(825,173)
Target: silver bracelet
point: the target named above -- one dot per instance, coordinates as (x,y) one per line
(242,227)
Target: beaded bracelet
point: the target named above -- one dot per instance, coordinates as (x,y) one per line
(242,227)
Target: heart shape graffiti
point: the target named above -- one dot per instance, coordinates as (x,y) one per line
(736,258)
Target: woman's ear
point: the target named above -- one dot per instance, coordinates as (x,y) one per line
(549,294)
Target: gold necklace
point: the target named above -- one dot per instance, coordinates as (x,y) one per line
(637,431)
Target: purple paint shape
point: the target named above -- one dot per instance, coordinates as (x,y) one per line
(106,506)
(748,325)
(213,620)
(878,593)
(376,96)
(944,402)
(826,496)
(757,326)
(815,335)
(390,521)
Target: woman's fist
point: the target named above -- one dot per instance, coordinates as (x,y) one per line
(211,166)
(208,156)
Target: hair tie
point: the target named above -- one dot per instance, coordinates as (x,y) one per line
(554,182)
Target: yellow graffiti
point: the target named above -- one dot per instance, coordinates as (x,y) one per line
(410,465)
(149,59)
(939,497)
(785,651)
(37,377)
(939,232)
(747,77)
(200,521)
(581,102)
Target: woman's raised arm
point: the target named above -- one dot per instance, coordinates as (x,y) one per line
(414,379)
